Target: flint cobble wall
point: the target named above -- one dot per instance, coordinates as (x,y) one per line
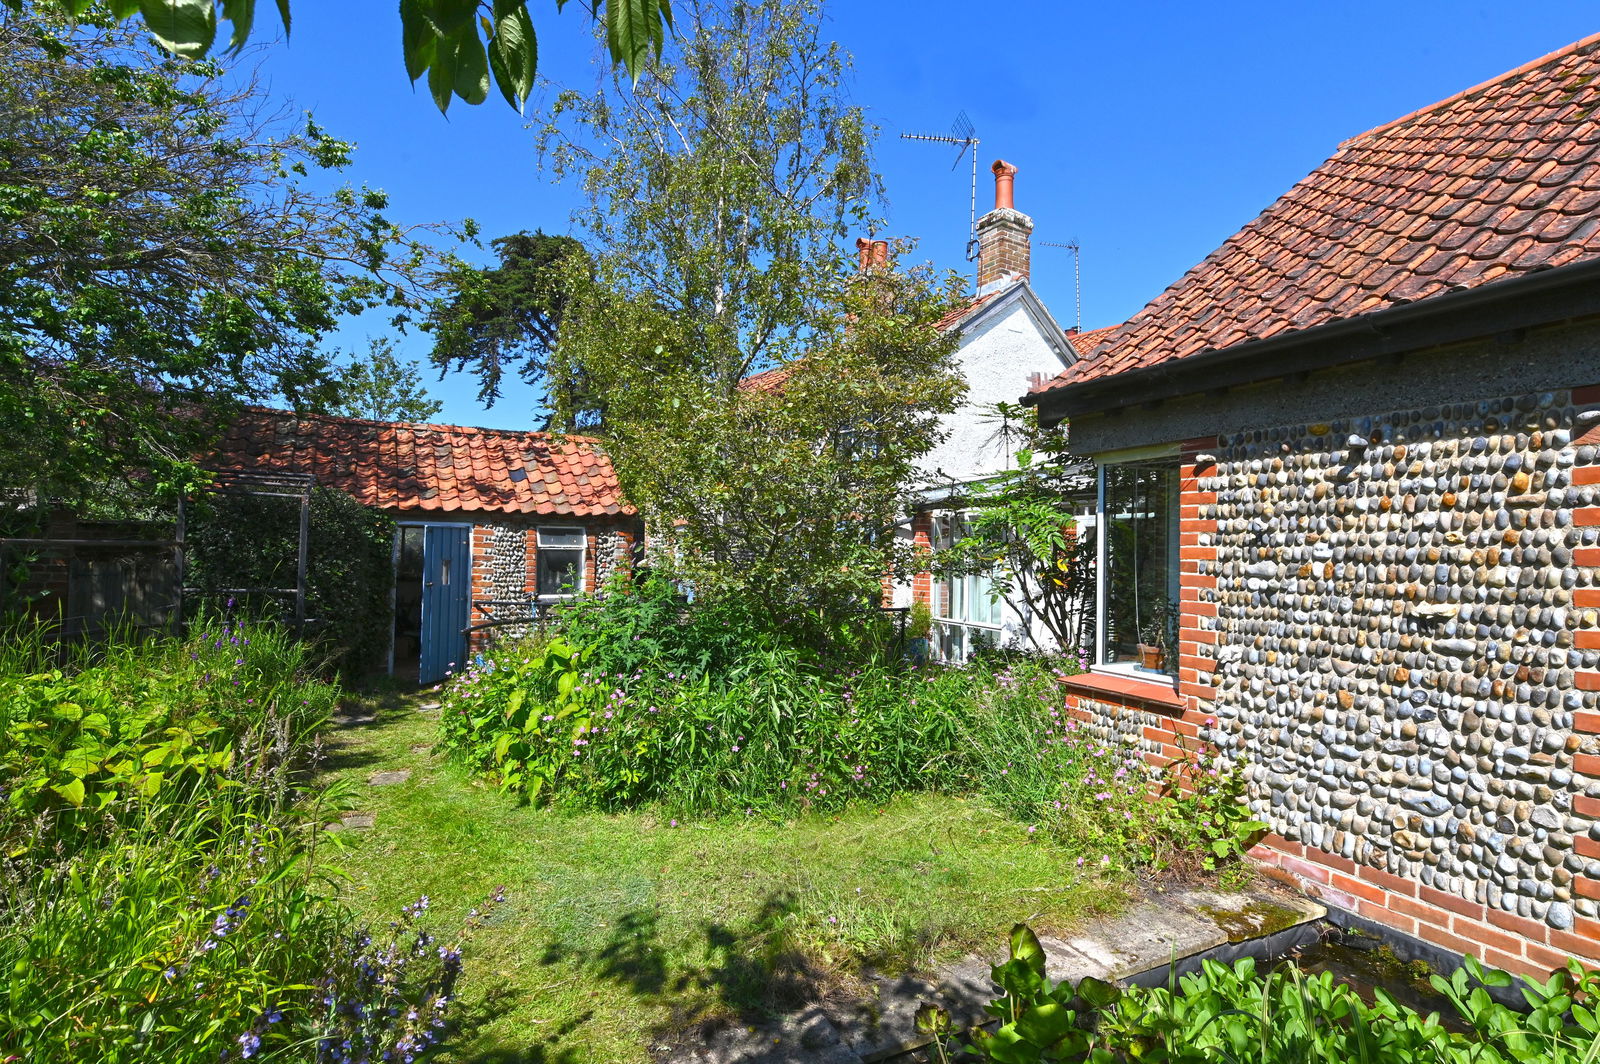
(1394,621)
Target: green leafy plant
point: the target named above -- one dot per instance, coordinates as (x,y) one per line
(458,45)
(164,882)
(1237,1013)
(1022,532)
(1039,1019)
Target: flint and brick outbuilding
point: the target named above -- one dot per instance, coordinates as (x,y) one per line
(492,523)
(1358,446)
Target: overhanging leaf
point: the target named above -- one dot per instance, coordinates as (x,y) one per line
(242,15)
(182,27)
(471,66)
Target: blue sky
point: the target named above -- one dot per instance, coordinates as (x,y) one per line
(1147,132)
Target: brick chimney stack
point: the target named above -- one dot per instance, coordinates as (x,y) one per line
(871,254)
(1004,245)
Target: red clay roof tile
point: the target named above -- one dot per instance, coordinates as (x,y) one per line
(1492,183)
(400,466)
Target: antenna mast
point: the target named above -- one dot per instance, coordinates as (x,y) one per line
(1077,278)
(964,137)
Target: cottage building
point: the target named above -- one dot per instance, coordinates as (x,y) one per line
(492,523)
(1007,337)
(1358,448)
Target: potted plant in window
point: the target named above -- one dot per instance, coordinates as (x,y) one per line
(1157,635)
(919,626)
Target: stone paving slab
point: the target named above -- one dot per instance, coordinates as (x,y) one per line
(388,779)
(1151,934)
(881,1026)
(354,822)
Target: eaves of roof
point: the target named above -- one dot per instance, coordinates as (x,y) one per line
(1539,297)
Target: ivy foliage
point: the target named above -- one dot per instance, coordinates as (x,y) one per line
(240,541)
(459,45)
(162,258)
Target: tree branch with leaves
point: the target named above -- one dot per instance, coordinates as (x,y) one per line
(459,46)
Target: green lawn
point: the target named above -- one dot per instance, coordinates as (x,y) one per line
(619,933)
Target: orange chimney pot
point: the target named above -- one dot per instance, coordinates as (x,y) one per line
(1005,176)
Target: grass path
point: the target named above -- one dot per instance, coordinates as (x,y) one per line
(621,933)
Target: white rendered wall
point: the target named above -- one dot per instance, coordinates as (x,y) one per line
(996,358)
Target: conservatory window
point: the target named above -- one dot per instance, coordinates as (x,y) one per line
(560,561)
(1139,564)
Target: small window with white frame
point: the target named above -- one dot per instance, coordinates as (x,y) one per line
(560,562)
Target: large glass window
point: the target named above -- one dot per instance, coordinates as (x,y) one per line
(560,561)
(1139,515)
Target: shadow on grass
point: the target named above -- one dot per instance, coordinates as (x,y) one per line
(753,972)
(472,1043)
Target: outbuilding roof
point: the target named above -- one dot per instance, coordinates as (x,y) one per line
(399,466)
(1496,182)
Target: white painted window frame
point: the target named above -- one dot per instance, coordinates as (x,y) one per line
(1102,550)
(583,559)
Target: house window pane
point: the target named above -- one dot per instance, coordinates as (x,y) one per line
(560,561)
(1140,519)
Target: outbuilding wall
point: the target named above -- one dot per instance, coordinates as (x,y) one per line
(1392,617)
(505,561)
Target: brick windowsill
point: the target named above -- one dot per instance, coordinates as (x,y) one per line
(1148,693)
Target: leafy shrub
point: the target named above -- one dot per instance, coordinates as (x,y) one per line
(770,732)
(250,541)
(1089,793)
(162,892)
(1283,1016)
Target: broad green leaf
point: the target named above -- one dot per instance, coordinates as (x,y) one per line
(635,31)
(442,73)
(514,54)
(1097,992)
(72,791)
(1025,947)
(182,27)
(472,66)
(418,38)
(1045,1024)
(242,14)
(452,16)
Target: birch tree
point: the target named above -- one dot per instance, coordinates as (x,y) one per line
(724,195)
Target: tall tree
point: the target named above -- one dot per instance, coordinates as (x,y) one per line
(161,257)
(383,387)
(721,193)
(459,44)
(495,318)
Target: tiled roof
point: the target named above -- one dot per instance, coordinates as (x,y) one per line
(1084,342)
(401,466)
(1492,183)
(772,380)
(961,313)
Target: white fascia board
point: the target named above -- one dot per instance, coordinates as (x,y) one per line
(1022,292)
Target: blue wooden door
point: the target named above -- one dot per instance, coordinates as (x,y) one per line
(446,585)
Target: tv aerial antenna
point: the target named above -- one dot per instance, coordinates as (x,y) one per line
(1077,278)
(965,138)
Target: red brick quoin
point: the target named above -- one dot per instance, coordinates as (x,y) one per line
(1168,722)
